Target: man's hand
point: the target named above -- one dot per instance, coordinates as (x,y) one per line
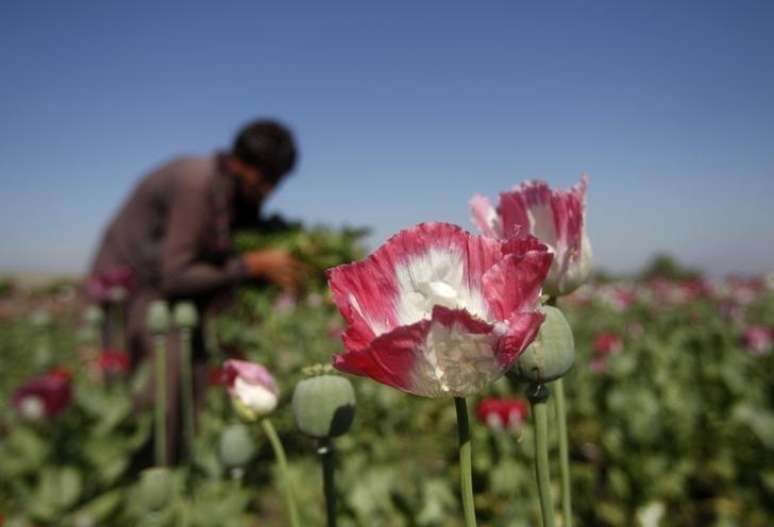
(277,266)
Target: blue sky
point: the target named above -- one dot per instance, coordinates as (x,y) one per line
(402,112)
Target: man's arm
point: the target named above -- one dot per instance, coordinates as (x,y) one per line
(183,273)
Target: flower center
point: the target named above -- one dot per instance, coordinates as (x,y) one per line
(32,408)
(439,293)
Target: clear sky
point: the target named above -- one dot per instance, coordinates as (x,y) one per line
(402,112)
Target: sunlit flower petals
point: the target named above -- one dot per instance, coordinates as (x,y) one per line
(451,354)
(515,283)
(389,358)
(429,264)
(556,218)
(252,388)
(437,327)
(522,328)
(458,356)
(528,208)
(484,216)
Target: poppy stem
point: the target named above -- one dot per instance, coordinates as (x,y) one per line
(120,331)
(466,473)
(186,385)
(282,463)
(564,451)
(160,424)
(538,395)
(564,455)
(326,452)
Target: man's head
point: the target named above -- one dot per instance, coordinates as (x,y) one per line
(262,154)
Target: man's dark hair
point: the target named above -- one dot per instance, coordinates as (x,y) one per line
(268,146)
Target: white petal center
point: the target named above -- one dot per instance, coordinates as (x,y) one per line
(255,396)
(435,278)
(455,362)
(32,408)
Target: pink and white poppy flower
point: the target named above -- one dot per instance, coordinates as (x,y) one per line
(252,388)
(439,312)
(555,217)
(758,340)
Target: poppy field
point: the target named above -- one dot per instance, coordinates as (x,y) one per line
(668,400)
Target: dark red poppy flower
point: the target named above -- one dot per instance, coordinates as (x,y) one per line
(216,376)
(113,362)
(44,396)
(112,285)
(607,343)
(502,414)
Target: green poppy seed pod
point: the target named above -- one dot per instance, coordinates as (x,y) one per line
(156,488)
(551,354)
(158,317)
(186,316)
(93,316)
(237,446)
(40,320)
(324,406)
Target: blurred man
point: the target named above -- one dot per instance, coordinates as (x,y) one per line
(173,237)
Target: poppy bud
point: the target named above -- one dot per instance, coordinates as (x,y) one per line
(158,317)
(156,488)
(551,354)
(236,446)
(254,392)
(93,316)
(324,406)
(40,320)
(185,315)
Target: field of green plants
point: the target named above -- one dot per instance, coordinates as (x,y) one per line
(670,415)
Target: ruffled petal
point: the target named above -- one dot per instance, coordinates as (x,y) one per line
(389,359)
(400,283)
(522,328)
(484,216)
(249,372)
(439,312)
(515,283)
(528,209)
(458,357)
(454,354)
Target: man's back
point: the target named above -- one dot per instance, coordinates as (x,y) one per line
(137,233)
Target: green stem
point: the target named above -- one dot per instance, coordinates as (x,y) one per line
(160,424)
(466,473)
(564,451)
(110,322)
(186,385)
(564,454)
(282,463)
(537,398)
(326,452)
(121,341)
(115,322)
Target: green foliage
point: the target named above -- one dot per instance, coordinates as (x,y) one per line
(318,247)
(7,286)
